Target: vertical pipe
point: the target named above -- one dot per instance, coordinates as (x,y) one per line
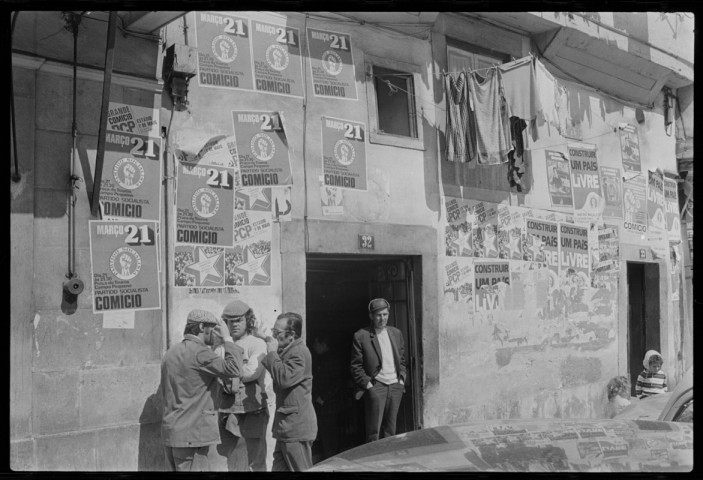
(16,177)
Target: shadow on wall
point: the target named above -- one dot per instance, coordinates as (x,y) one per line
(151,452)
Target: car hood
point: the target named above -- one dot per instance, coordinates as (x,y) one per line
(528,445)
(647,408)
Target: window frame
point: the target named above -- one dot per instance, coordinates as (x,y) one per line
(375,135)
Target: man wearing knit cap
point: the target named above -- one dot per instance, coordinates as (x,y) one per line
(189,373)
(243,401)
(378,371)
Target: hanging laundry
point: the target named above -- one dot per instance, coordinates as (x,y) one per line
(492,117)
(563,111)
(461,120)
(547,91)
(520,87)
(516,157)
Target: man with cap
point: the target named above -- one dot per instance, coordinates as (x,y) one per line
(243,401)
(189,373)
(378,371)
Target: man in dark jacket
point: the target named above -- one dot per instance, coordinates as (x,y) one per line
(378,371)
(189,372)
(295,425)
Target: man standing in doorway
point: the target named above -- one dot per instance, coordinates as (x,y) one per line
(189,373)
(295,425)
(378,371)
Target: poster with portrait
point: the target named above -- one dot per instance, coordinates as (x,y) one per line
(331,64)
(123,262)
(656,218)
(458,280)
(224,50)
(262,148)
(611,181)
(491,281)
(344,153)
(486,234)
(511,226)
(634,193)
(459,230)
(130,187)
(278,66)
(198,266)
(630,150)
(204,204)
(588,202)
(542,243)
(249,262)
(558,179)
(671,200)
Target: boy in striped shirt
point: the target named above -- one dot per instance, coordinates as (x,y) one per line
(652,380)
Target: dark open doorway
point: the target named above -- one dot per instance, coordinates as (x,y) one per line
(643,315)
(338,291)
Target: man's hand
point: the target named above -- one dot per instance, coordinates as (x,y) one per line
(369,385)
(271,345)
(221,331)
(319,400)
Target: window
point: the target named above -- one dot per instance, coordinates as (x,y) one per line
(392,103)
(459,59)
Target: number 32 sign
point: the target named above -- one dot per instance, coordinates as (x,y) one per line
(366,241)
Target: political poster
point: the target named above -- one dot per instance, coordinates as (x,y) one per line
(558,179)
(344,153)
(511,226)
(671,201)
(458,280)
(249,262)
(635,205)
(278,66)
(130,187)
(675,265)
(331,200)
(656,218)
(573,251)
(262,148)
(528,282)
(611,180)
(606,258)
(486,233)
(331,64)
(459,231)
(218,151)
(199,266)
(204,204)
(630,149)
(257,199)
(542,243)
(224,51)
(491,280)
(281,204)
(588,203)
(123,259)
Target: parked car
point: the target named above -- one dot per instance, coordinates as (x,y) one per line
(675,406)
(531,445)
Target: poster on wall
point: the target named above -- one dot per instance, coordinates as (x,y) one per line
(249,262)
(542,243)
(224,51)
(331,64)
(511,226)
(486,232)
(130,187)
(611,180)
(635,205)
(204,204)
(198,266)
(558,179)
(262,148)
(281,204)
(458,280)
(673,220)
(331,200)
(278,67)
(527,281)
(675,260)
(218,151)
(656,218)
(123,259)
(344,153)
(573,251)
(459,231)
(630,149)
(588,203)
(606,258)
(491,281)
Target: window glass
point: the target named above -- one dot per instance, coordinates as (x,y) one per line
(395,102)
(685,414)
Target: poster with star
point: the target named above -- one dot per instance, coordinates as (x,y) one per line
(331,64)
(130,187)
(199,266)
(249,262)
(224,51)
(511,225)
(656,218)
(673,220)
(458,280)
(491,281)
(278,65)
(630,149)
(542,243)
(262,148)
(634,194)
(486,236)
(123,262)
(558,179)
(611,180)
(344,153)
(458,232)
(204,204)
(585,183)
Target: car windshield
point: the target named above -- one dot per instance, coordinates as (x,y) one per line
(685,414)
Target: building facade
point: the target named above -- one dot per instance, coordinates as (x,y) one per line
(302,162)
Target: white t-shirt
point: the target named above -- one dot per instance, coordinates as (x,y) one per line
(387,375)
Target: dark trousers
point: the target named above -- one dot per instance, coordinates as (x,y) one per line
(187,459)
(381,404)
(292,456)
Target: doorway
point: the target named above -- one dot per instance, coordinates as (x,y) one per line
(643,315)
(338,290)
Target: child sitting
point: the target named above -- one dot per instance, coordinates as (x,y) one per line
(652,380)
(618,390)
